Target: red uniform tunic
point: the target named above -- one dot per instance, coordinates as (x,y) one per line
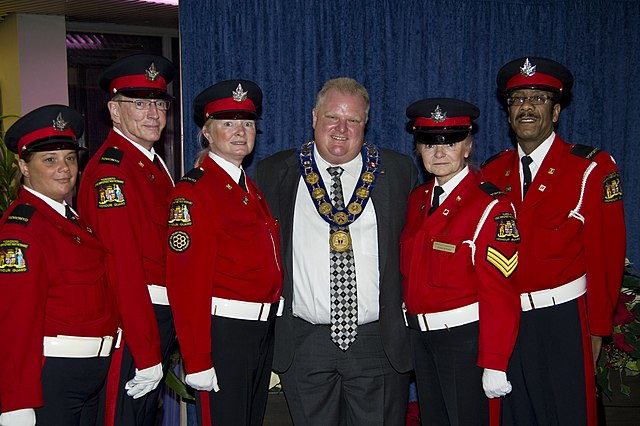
(54,281)
(442,269)
(224,243)
(556,248)
(125,198)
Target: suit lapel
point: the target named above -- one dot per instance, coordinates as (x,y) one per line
(289,180)
(380,197)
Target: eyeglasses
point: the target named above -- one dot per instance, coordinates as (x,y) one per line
(143,105)
(534,100)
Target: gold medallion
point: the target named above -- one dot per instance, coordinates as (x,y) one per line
(312,178)
(367,177)
(318,193)
(340,218)
(340,241)
(362,192)
(354,208)
(324,208)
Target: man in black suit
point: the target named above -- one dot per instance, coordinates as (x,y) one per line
(342,348)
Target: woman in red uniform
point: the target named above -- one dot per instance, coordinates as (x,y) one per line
(58,316)
(458,255)
(224,275)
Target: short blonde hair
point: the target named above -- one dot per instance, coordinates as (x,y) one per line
(347,86)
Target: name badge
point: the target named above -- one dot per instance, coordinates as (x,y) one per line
(449,248)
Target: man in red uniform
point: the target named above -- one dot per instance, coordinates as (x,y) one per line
(569,203)
(124,195)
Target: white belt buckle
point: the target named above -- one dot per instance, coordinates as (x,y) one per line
(265,308)
(105,349)
(422,322)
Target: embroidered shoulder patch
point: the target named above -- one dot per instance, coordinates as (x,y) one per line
(491,189)
(12,256)
(21,214)
(611,188)
(110,192)
(111,156)
(179,241)
(506,228)
(193,175)
(585,151)
(179,212)
(506,265)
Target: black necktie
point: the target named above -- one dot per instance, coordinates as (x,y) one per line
(526,172)
(242,181)
(69,215)
(437,192)
(156,161)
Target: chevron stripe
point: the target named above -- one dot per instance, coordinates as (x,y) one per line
(505,265)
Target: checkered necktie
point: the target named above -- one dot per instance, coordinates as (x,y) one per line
(344,300)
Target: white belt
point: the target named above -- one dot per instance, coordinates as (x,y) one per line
(77,346)
(554,296)
(240,309)
(158,294)
(446,319)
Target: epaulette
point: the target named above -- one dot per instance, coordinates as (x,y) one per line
(585,151)
(193,175)
(491,189)
(21,214)
(494,157)
(111,155)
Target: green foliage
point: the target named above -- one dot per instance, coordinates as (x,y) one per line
(8,170)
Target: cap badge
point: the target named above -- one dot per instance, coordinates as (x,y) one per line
(238,94)
(59,124)
(151,72)
(438,116)
(527,70)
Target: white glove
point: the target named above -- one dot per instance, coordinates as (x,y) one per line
(22,417)
(144,381)
(495,383)
(203,381)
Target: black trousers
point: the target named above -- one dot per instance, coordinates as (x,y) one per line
(71,388)
(548,369)
(242,354)
(326,386)
(448,381)
(142,411)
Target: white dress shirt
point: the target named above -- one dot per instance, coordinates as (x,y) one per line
(232,170)
(311,259)
(537,156)
(451,184)
(150,154)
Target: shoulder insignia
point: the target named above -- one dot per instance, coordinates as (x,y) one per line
(585,151)
(611,188)
(506,265)
(179,241)
(491,189)
(507,228)
(179,212)
(193,175)
(21,214)
(110,192)
(494,157)
(112,156)
(12,256)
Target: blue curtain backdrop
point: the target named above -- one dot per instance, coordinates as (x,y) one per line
(411,49)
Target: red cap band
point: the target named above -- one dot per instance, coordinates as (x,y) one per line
(228,104)
(137,81)
(538,79)
(453,121)
(47,132)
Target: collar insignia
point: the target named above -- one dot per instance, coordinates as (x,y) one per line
(151,72)
(238,94)
(59,124)
(438,116)
(528,70)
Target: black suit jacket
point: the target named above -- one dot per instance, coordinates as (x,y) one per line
(278,177)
